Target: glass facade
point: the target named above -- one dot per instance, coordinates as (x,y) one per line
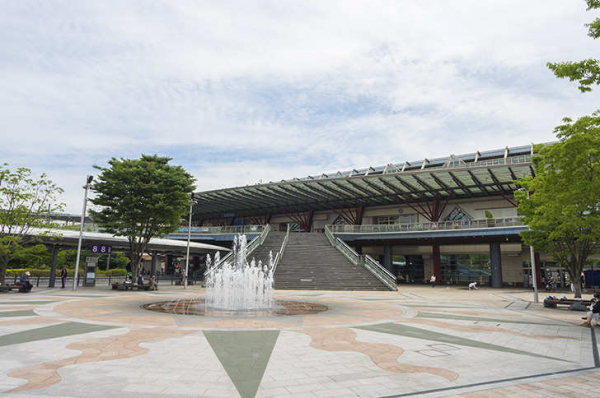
(408,269)
(466,268)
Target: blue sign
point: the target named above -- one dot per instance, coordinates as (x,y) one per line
(101,249)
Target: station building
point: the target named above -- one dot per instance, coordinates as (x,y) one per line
(453,217)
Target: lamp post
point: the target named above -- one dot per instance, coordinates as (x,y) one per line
(88,181)
(187,254)
(533,268)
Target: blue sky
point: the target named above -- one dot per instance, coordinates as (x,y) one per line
(238,92)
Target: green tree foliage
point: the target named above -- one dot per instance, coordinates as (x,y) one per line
(25,203)
(586,72)
(141,199)
(31,257)
(562,205)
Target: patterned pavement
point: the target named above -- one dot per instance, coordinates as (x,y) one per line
(417,341)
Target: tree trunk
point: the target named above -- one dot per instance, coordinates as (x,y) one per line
(576,280)
(3,266)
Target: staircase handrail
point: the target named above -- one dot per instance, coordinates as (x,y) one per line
(282,249)
(347,251)
(329,235)
(386,277)
(259,240)
(379,271)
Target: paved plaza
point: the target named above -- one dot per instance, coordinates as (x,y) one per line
(418,341)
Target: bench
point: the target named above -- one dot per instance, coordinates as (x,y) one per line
(576,305)
(128,286)
(8,288)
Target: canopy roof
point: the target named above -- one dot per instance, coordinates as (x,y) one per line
(70,238)
(476,174)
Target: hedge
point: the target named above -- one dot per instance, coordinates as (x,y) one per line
(45,273)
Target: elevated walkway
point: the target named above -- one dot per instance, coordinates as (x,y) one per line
(309,262)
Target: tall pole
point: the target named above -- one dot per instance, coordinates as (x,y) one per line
(86,187)
(187,254)
(534,276)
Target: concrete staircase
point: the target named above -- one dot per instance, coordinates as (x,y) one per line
(272,243)
(310,263)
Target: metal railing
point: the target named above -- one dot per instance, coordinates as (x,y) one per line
(431,226)
(362,260)
(229,229)
(256,242)
(283,246)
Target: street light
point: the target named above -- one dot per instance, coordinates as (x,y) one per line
(533,268)
(187,255)
(88,181)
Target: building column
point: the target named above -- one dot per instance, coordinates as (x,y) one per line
(435,253)
(359,248)
(496,259)
(387,258)
(169,270)
(153,263)
(52,280)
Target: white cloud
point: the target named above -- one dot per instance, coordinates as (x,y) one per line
(239,92)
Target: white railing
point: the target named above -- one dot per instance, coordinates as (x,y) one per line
(250,248)
(283,246)
(259,240)
(228,229)
(362,260)
(431,226)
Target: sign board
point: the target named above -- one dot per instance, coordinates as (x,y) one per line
(101,249)
(91,263)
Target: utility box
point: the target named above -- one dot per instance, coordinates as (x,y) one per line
(91,265)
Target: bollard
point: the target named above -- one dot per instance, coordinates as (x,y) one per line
(171,279)
(15,282)
(38,282)
(109,279)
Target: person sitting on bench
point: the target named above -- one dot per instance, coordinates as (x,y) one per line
(473,286)
(140,279)
(24,281)
(593,315)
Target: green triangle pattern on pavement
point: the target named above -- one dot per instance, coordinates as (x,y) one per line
(424,334)
(51,332)
(436,315)
(11,314)
(244,354)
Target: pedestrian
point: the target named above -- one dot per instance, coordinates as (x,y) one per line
(432,280)
(24,281)
(63,277)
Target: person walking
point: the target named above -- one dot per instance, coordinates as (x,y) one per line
(63,277)
(432,280)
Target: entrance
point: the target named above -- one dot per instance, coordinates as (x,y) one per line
(409,269)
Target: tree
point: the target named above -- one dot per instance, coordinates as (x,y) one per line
(25,203)
(561,203)
(141,199)
(586,72)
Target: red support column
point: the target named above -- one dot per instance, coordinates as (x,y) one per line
(538,274)
(436,262)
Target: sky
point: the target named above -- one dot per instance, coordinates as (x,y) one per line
(241,92)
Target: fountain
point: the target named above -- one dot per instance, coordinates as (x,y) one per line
(239,285)
(237,288)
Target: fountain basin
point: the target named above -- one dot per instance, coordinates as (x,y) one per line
(198,307)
